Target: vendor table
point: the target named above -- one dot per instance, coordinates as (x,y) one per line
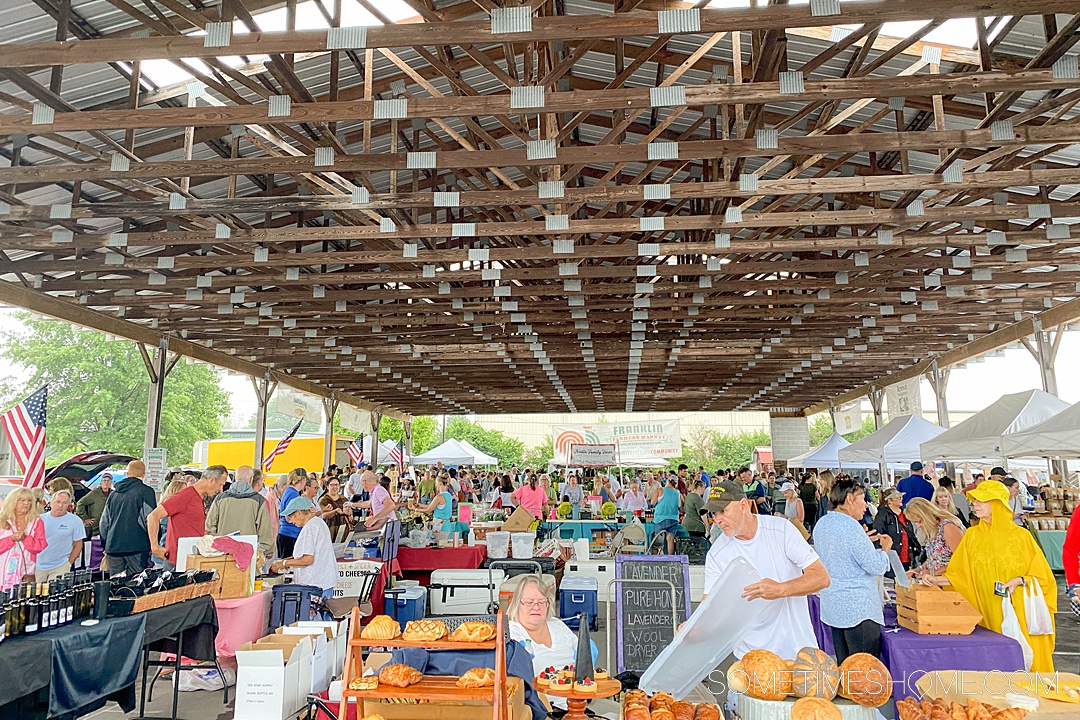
(241,620)
(823,632)
(579,529)
(1052,542)
(417,563)
(43,660)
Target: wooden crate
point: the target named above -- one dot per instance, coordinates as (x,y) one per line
(935,611)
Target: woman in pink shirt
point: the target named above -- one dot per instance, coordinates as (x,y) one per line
(532,498)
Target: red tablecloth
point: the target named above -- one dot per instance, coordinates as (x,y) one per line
(417,563)
(241,620)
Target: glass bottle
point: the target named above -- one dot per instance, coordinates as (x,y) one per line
(33,610)
(3,614)
(15,612)
(43,600)
(54,605)
(68,602)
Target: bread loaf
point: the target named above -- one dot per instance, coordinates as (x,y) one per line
(814,708)
(865,680)
(765,671)
(815,674)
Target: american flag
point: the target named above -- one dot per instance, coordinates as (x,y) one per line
(281,447)
(25,428)
(397,456)
(355,451)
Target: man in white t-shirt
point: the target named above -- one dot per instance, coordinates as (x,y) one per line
(790,569)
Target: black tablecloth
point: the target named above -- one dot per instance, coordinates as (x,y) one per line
(27,661)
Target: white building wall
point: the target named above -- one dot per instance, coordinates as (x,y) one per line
(534,429)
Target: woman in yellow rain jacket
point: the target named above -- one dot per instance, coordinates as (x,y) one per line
(998,550)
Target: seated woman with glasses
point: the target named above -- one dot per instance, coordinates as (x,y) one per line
(547,638)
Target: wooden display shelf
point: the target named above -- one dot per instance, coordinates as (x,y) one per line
(576,701)
(436,645)
(430,687)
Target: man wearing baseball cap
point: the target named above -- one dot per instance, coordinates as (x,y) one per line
(915,485)
(789,567)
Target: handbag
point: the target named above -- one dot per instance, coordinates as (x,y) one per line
(1010,626)
(1039,621)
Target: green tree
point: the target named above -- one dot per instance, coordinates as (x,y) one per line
(538,456)
(281,421)
(717,450)
(821,428)
(99,390)
(508,450)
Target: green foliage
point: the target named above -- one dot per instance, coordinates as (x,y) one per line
(99,390)
(537,457)
(493,442)
(821,428)
(425,430)
(717,450)
(281,421)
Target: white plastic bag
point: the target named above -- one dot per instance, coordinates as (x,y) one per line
(1010,626)
(1037,613)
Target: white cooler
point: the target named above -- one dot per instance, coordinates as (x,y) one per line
(463,592)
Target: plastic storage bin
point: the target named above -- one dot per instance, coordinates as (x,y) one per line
(578,595)
(521,545)
(498,545)
(409,604)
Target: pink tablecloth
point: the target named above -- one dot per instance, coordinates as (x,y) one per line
(241,620)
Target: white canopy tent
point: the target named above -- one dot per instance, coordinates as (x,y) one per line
(825,455)
(481,457)
(638,461)
(1057,437)
(981,436)
(384,452)
(449,453)
(896,444)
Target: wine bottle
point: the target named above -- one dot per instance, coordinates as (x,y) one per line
(33,610)
(15,612)
(43,595)
(68,604)
(3,614)
(54,605)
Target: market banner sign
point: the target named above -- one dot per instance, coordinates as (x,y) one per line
(298,405)
(592,455)
(849,419)
(357,421)
(905,398)
(634,439)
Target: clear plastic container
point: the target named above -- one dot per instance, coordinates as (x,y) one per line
(498,545)
(521,545)
(707,637)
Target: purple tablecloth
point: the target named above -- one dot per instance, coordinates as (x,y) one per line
(909,655)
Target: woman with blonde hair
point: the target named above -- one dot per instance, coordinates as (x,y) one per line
(22,537)
(825,481)
(943,499)
(943,532)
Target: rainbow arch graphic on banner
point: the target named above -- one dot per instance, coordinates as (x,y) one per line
(566,438)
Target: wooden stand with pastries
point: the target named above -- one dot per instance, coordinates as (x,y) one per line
(430,687)
(576,701)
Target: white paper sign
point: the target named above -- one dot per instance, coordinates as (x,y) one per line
(298,405)
(155,467)
(357,421)
(635,439)
(849,419)
(592,455)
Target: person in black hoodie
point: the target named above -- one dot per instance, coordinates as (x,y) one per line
(123,523)
(890,521)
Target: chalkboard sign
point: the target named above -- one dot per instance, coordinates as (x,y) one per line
(643,611)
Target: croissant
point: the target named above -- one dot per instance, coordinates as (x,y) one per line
(908,709)
(706,711)
(683,710)
(957,712)
(399,675)
(662,714)
(661,700)
(477,678)
(976,711)
(1010,714)
(472,631)
(939,713)
(424,630)
(382,627)
(637,712)
(636,697)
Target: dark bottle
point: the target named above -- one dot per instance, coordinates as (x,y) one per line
(54,605)
(33,611)
(82,606)
(15,612)
(43,599)
(67,602)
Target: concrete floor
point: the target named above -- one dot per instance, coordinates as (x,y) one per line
(205,705)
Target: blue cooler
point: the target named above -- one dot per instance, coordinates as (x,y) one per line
(409,603)
(577,595)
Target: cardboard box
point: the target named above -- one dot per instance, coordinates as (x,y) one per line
(231,582)
(273,676)
(519,521)
(330,641)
